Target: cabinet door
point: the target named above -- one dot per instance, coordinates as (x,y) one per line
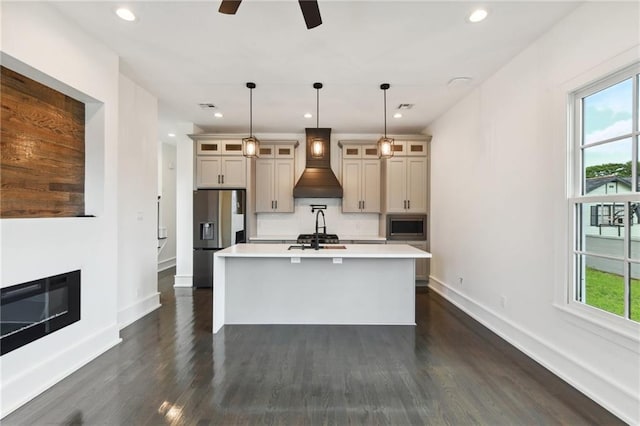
(351,185)
(399,148)
(211,147)
(352,151)
(370,152)
(265,172)
(396,184)
(417,184)
(370,185)
(416,148)
(234,172)
(283,185)
(208,172)
(231,147)
(267,151)
(284,151)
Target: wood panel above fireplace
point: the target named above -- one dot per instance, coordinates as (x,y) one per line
(42,150)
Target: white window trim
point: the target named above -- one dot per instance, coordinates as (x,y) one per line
(621,331)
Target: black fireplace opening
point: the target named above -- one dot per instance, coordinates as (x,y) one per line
(31,310)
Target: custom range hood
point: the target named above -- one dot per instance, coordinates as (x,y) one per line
(318,180)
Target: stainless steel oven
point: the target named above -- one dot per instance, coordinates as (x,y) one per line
(409,227)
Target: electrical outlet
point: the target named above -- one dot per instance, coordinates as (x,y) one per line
(460,280)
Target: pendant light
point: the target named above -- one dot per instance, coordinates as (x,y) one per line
(317,144)
(385,144)
(250,145)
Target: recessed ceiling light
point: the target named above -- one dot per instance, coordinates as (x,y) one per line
(171,135)
(125,14)
(478,15)
(308,115)
(397,115)
(217,115)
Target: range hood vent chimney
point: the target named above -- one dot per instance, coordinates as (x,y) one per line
(318,180)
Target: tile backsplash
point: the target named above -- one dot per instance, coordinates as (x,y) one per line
(302,221)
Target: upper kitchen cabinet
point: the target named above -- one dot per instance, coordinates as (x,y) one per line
(406,178)
(409,148)
(219,163)
(274,177)
(360,177)
(219,147)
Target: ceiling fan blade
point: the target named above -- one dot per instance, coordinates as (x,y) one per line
(229,7)
(311,13)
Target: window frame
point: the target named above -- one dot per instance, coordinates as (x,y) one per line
(623,325)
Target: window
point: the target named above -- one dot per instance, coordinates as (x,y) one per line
(607,215)
(606,200)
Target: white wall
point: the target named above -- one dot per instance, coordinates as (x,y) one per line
(184,205)
(499,213)
(167,171)
(39,43)
(137,203)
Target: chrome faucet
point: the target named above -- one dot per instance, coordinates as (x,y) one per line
(318,210)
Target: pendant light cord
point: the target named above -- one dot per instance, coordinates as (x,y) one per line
(317,108)
(385,113)
(251,112)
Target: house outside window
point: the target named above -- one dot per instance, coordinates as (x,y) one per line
(605,198)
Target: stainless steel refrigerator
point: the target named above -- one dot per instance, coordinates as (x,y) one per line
(218,222)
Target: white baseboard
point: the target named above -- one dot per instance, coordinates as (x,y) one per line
(139,309)
(183,281)
(163,265)
(54,368)
(618,400)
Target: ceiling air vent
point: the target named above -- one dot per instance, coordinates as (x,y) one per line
(405,106)
(207,106)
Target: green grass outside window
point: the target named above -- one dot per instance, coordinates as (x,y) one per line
(606,291)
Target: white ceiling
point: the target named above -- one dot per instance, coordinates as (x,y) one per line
(187,53)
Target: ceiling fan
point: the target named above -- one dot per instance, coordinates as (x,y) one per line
(310,10)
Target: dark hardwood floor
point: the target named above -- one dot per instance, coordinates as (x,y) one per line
(170,369)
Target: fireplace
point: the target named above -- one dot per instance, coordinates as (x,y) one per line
(34,309)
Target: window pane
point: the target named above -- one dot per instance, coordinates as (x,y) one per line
(609,163)
(634,293)
(601,284)
(602,229)
(634,208)
(607,113)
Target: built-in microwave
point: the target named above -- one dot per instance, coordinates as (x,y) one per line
(410,227)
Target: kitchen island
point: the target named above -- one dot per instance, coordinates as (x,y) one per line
(338,284)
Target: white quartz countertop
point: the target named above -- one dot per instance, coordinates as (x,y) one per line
(362,237)
(295,237)
(367,251)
